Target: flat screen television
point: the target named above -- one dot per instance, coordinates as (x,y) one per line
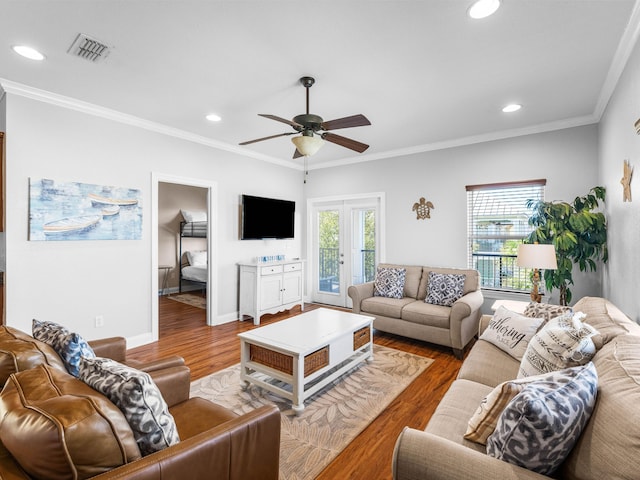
(266,218)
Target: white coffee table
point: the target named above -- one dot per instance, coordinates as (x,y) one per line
(305,352)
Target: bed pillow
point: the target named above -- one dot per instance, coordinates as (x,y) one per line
(511,331)
(194,216)
(197,258)
(444,288)
(565,341)
(68,345)
(389,282)
(139,399)
(539,427)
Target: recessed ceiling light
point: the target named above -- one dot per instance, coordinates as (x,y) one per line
(514,107)
(212,117)
(28,52)
(483,8)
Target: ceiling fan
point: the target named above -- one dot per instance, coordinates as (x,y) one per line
(314,129)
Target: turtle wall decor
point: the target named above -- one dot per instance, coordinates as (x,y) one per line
(422,208)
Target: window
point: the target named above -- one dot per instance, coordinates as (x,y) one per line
(498,221)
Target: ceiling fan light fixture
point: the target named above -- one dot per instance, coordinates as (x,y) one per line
(28,52)
(483,8)
(307,145)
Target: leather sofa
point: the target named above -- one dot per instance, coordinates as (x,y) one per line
(452,326)
(86,436)
(606,448)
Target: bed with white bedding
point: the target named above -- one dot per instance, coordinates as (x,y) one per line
(193,263)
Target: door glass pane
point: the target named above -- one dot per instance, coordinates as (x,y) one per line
(329,251)
(364,246)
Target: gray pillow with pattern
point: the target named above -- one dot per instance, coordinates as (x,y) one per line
(539,427)
(389,282)
(68,345)
(138,397)
(444,288)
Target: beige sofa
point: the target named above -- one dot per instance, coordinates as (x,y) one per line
(607,448)
(410,316)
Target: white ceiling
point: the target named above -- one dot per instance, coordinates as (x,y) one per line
(425,74)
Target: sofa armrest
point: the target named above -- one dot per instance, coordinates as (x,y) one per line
(114,348)
(174,383)
(160,364)
(463,319)
(420,455)
(246,447)
(359,293)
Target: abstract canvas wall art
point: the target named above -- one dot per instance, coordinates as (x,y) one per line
(60,210)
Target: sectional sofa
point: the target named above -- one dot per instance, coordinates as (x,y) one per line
(607,447)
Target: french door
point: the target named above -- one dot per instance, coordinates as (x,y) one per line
(345,247)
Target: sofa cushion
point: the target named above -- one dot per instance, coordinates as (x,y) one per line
(565,341)
(487,364)
(608,445)
(427,314)
(540,426)
(511,331)
(70,346)
(605,318)
(138,397)
(19,351)
(387,307)
(545,310)
(471,282)
(389,282)
(55,426)
(444,288)
(412,278)
(450,419)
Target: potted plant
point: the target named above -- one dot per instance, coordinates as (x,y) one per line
(578,233)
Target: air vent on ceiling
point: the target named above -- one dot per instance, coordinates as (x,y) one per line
(88,48)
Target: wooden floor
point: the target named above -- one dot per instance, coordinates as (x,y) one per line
(183,331)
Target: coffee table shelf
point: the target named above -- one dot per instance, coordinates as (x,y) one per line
(297,357)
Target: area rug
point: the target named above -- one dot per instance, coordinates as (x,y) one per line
(332,418)
(192,299)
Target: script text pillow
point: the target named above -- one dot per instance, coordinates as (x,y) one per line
(138,397)
(545,310)
(540,426)
(511,331)
(68,345)
(565,341)
(389,282)
(444,288)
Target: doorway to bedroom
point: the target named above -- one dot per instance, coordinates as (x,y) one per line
(182,253)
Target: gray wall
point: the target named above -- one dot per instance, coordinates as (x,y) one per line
(566,158)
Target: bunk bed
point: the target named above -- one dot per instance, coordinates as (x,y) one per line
(194,269)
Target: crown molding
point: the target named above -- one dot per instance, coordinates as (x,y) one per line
(70,103)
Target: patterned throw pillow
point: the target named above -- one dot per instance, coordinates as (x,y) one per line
(511,331)
(565,341)
(389,282)
(68,345)
(484,420)
(138,397)
(444,288)
(540,426)
(545,310)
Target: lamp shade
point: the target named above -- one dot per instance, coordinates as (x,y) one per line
(307,145)
(535,255)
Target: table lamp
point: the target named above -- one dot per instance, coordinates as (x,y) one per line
(536,256)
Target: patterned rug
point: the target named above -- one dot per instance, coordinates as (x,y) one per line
(193,299)
(332,418)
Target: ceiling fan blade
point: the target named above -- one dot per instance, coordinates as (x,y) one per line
(280,119)
(346,122)
(267,138)
(296,154)
(345,142)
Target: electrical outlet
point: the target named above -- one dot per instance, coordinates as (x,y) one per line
(99,321)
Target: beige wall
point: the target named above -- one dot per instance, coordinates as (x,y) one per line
(171,199)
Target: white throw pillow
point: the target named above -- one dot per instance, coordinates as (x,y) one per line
(197,258)
(511,331)
(193,216)
(565,341)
